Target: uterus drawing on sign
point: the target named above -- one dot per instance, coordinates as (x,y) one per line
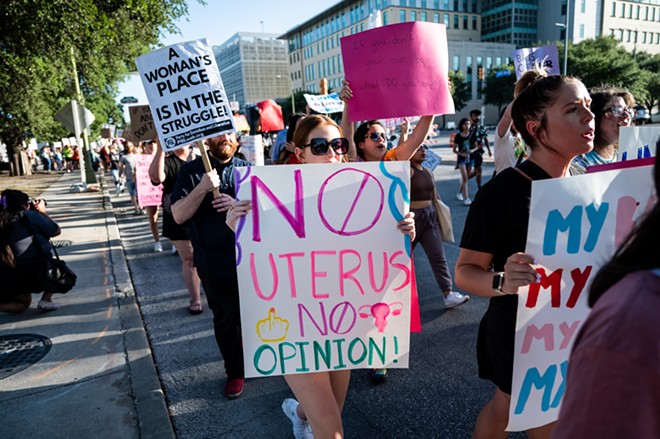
(380,312)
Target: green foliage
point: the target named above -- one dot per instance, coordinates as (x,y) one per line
(460,89)
(498,91)
(301,104)
(36,71)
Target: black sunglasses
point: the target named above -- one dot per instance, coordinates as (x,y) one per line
(320,146)
(376,136)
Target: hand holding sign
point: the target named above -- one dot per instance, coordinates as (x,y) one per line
(272,328)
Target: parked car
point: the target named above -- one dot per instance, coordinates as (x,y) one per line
(642,115)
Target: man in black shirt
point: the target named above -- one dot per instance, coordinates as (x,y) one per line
(478,139)
(214,254)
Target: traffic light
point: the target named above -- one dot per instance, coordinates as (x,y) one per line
(480,73)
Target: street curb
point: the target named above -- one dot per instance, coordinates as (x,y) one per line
(152,413)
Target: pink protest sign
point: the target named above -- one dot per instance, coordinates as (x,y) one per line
(148,194)
(398,70)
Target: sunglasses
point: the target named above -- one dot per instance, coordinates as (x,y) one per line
(376,136)
(320,146)
(619,111)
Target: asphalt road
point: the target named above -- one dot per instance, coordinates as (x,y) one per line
(439,396)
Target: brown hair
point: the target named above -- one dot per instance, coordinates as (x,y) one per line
(533,102)
(528,77)
(600,99)
(309,124)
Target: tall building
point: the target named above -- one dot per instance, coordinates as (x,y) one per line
(254,67)
(315,50)
(635,23)
(510,21)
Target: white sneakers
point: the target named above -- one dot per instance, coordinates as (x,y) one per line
(455,299)
(460,197)
(467,201)
(301,428)
(158,247)
(44,305)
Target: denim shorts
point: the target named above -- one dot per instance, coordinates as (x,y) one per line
(463,161)
(132,188)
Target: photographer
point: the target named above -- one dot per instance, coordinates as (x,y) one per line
(20,256)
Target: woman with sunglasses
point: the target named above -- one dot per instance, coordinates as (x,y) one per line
(318,139)
(612,108)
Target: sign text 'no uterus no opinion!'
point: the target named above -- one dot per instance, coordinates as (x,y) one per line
(325,276)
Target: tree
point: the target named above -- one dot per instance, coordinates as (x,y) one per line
(499,86)
(460,92)
(36,59)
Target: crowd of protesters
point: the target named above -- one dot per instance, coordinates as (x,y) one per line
(553,128)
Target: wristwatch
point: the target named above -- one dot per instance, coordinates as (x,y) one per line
(498,282)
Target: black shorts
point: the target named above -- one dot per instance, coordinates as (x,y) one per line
(478,159)
(172,230)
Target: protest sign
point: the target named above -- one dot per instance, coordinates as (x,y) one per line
(324,274)
(252,148)
(638,142)
(432,160)
(185,93)
(142,122)
(270,116)
(242,124)
(147,193)
(575,226)
(398,70)
(325,104)
(524,59)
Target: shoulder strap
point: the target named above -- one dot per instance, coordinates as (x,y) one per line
(521,172)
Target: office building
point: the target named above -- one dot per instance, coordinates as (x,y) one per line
(254,67)
(507,21)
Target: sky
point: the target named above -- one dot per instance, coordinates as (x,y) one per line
(218,20)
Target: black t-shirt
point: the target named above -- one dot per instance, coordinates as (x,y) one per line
(462,143)
(172,166)
(213,242)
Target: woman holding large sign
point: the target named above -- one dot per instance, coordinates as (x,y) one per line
(555,121)
(321,395)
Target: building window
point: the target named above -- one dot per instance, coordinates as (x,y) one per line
(468,75)
(402,16)
(455,21)
(623,10)
(637,12)
(583,6)
(456,63)
(474,6)
(465,22)
(413,16)
(474,22)
(423,16)
(628,35)
(563,7)
(385,20)
(498,61)
(424,4)
(582,31)
(613,14)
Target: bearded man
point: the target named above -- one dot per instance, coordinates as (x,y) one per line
(194,204)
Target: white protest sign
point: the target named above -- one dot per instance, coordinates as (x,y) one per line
(148,194)
(252,148)
(638,142)
(432,160)
(185,93)
(325,103)
(575,226)
(324,274)
(524,59)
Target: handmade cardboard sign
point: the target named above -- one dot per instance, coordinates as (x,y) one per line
(325,276)
(524,59)
(142,122)
(148,194)
(325,104)
(398,70)
(185,93)
(252,148)
(575,226)
(638,142)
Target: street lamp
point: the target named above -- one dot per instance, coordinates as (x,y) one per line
(565,26)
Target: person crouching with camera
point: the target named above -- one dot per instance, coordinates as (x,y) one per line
(25,231)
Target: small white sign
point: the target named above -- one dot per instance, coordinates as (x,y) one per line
(524,59)
(325,104)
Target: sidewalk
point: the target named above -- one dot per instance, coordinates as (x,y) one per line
(98,378)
